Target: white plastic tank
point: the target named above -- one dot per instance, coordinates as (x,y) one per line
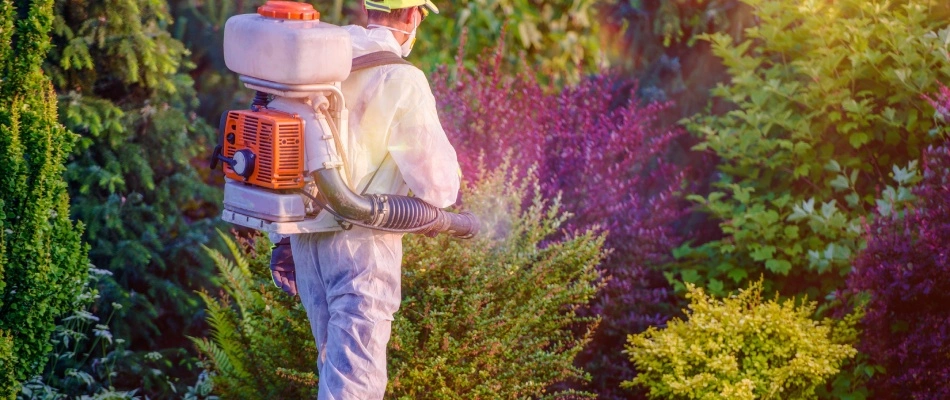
(286,42)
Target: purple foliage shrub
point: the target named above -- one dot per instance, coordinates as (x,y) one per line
(941,103)
(906,270)
(604,154)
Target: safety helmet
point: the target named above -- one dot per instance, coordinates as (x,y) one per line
(387,5)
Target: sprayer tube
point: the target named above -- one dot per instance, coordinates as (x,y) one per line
(341,198)
(391,212)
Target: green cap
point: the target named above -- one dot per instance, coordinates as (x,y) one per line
(387,5)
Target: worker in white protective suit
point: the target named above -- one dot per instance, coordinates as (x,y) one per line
(349,280)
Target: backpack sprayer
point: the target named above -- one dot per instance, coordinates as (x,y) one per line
(283,157)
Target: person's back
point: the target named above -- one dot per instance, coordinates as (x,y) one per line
(349,280)
(393,121)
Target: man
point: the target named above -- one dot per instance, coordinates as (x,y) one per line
(349,281)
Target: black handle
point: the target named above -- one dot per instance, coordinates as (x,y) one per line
(217,156)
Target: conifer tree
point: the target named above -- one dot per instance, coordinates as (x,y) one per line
(123,87)
(42,260)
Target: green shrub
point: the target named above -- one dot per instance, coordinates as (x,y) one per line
(491,318)
(42,260)
(487,318)
(123,86)
(827,113)
(741,347)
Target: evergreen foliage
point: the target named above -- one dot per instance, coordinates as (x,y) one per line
(741,347)
(821,124)
(488,318)
(43,263)
(605,154)
(906,270)
(123,86)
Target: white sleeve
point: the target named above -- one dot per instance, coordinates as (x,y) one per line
(418,144)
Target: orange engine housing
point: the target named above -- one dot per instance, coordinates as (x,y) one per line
(275,138)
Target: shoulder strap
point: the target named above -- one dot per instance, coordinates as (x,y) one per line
(377,59)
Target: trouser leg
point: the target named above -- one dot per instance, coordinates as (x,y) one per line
(312,290)
(360,273)
(356,353)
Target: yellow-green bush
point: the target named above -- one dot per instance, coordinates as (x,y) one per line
(741,347)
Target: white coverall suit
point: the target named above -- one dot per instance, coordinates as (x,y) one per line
(349,281)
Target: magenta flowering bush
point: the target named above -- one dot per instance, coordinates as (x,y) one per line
(906,270)
(941,104)
(603,153)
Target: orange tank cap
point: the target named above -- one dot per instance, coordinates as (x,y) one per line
(288,10)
